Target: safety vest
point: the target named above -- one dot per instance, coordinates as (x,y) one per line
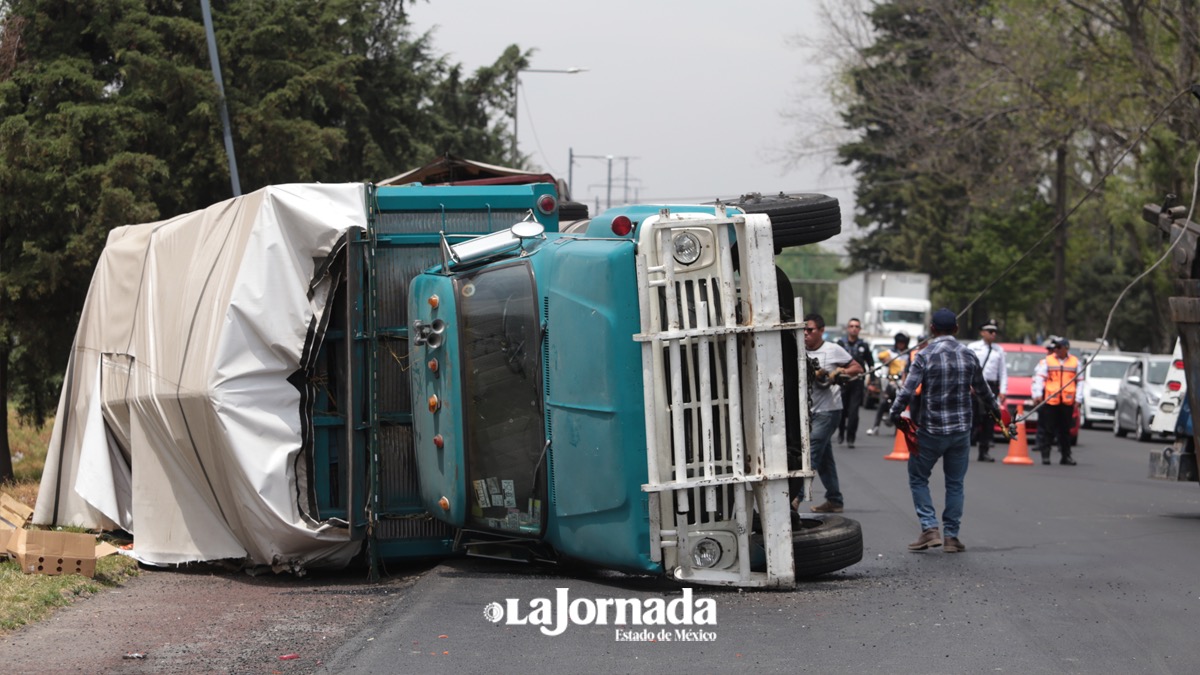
(1060,379)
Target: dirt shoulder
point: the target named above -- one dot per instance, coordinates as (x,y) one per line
(205,621)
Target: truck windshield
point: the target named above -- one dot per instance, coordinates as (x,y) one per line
(902,316)
(502,402)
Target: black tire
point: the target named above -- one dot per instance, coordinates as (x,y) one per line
(568,211)
(1117,430)
(796,220)
(821,545)
(827,545)
(1142,432)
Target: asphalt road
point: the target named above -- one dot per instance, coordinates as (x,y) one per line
(1084,569)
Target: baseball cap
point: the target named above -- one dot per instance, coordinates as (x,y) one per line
(1062,342)
(944,319)
(1051,341)
(990,324)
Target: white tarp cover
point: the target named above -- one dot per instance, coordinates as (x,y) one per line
(177,422)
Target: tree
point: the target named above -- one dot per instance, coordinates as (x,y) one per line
(109,116)
(967,112)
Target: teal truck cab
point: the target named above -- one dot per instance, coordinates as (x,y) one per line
(615,395)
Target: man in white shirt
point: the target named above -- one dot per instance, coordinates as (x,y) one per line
(833,363)
(995,373)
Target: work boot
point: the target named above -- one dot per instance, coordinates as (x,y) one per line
(841,437)
(1066,460)
(930,538)
(953,545)
(1045,459)
(872,431)
(985,457)
(827,507)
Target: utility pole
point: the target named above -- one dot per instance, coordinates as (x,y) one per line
(626,177)
(572,157)
(215,61)
(1058,318)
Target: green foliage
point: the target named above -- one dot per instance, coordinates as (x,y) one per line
(959,108)
(811,270)
(109,115)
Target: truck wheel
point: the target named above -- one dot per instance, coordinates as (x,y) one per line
(826,545)
(797,219)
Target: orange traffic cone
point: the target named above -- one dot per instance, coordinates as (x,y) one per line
(1018,448)
(899,448)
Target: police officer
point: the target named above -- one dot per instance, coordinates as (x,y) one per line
(854,390)
(995,373)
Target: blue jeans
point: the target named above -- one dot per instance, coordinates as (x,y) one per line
(821,447)
(955,452)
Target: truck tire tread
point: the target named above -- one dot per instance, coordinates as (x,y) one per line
(796,219)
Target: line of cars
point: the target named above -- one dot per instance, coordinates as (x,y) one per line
(1133,392)
(1121,389)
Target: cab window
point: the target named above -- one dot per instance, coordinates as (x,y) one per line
(501,350)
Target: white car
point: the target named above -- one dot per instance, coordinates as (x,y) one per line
(1099,385)
(1172,398)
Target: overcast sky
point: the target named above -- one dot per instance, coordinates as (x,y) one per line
(694,93)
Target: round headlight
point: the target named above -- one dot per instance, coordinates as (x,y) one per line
(706,553)
(687,249)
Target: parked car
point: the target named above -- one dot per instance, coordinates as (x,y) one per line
(1138,396)
(1022,360)
(1098,388)
(1175,393)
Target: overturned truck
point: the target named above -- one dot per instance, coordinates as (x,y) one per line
(308,372)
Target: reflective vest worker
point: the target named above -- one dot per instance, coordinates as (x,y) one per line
(1057,383)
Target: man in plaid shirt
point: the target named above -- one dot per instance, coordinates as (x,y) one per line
(949,371)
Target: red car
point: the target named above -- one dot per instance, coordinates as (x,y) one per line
(1021,360)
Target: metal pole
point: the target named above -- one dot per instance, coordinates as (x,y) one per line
(608,201)
(626,196)
(516,87)
(216,68)
(570,168)
(517,84)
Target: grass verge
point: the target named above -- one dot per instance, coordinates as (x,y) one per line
(27,598)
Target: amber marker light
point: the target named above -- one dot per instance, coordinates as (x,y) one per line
(444,503)
(434,403)
(439,442)
(434,301)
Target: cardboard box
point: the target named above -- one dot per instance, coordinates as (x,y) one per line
(48,552)
(13,516)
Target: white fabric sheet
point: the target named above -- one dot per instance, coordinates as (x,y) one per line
(176,420)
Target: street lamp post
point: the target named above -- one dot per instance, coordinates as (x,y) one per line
(517,86)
